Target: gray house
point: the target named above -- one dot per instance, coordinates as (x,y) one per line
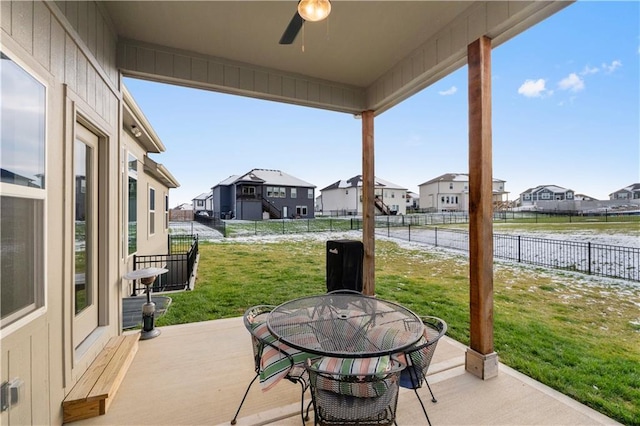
(263,194)
(545,193)
(631,192)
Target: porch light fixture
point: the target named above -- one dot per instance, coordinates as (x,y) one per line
(314,10)
(136,131)
(147,276)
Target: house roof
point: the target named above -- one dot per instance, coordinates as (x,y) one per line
(634,187)
(552,188)
(160,172)
(454,177)
(368,55)
(266,177)
(132,116)
(357,181)
(203,196)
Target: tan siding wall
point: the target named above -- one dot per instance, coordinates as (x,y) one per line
(63,43)
(190,69)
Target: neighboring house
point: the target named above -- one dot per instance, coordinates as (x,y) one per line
(545,193)
(450,193)
(583,197)
(631,192)
(184,206)
(263,194)
(413,200)
(203,204)
(344,197)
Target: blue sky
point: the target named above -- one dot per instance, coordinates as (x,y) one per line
(566,111)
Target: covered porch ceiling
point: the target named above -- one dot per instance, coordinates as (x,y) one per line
(368,55)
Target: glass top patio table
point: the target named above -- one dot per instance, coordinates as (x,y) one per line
(345,325)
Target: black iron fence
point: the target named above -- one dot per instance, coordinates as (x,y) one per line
(590,258)
(183,251)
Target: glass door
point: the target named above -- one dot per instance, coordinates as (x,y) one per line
(85,290)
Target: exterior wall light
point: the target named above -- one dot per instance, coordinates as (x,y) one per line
(136,131)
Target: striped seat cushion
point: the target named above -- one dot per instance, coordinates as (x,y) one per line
(275,365)
(353,376)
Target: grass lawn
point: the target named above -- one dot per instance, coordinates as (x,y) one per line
(577,334)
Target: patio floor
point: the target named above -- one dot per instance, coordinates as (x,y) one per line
(196,374)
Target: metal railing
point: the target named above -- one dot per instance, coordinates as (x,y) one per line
(586,257)
(179,262)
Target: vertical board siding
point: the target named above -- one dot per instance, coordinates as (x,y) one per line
(162,63)
(42,35)
(57,50)
(22,24)
(5,16)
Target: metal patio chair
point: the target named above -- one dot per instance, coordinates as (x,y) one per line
(254,320)
(418,358)
(354,398)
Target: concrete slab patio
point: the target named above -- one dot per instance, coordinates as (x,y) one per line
(196,374)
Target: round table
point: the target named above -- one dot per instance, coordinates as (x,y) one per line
(345,325)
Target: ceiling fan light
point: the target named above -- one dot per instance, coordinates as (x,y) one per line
(314,10)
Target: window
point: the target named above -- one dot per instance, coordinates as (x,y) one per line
(152,211)
(545,196)
(569,195)
(199,203)
(166,211)
(294,192)
(527,196)
(248,190)
(22,191)
(132,229)
(276,192)
(393,195)
(301,210)
(450,185)
(310,193)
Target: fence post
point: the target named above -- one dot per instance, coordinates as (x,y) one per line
(388,228)
(436,229)
(351,223)
(589,257)
(283,232)
(519,250)
(409,232)
(308,225)
(169,243)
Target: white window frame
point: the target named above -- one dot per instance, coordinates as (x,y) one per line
(28,313)
(310,193)
(131,174)
(294,192)
(152,210)
(166,211)
(302,211)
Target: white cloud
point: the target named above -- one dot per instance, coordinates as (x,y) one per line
(588,70)
(612,67)
(534,88)
(572,82)
(448,92)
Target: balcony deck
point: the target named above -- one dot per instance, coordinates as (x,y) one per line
(196,374)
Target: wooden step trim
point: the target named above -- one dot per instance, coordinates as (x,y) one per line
(93,393)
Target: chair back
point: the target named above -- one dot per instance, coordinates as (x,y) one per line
(356,391)
(418,357)
(252,318)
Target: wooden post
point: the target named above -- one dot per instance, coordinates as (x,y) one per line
(481,359)
(368,209)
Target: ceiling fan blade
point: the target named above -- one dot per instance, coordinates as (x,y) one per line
(292,30)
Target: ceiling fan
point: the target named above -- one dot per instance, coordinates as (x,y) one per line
(308,10)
